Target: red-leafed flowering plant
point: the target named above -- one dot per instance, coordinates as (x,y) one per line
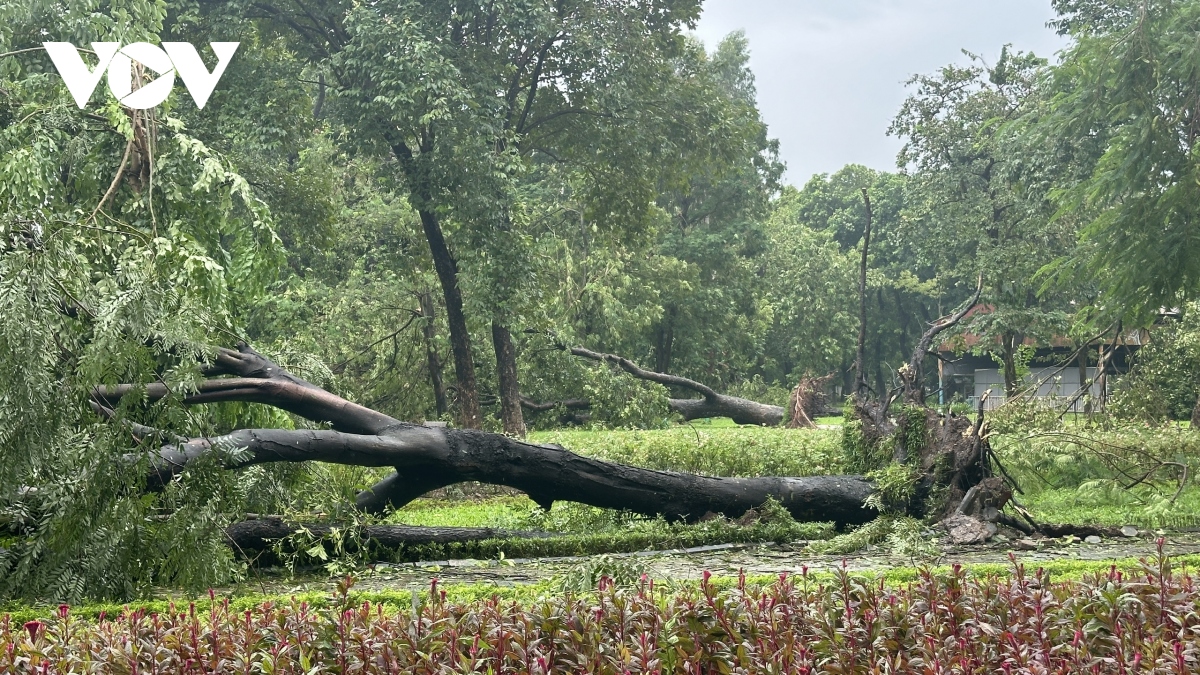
(953,623)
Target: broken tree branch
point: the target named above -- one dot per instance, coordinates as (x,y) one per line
(913,374)
(741,410)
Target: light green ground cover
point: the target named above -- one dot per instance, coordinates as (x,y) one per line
(246,599)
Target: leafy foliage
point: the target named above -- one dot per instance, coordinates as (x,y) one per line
(1163,383)
(124,241)
(1128,88)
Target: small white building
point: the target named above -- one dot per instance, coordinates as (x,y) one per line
(1052,383)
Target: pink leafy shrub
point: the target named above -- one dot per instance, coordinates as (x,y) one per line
(1146,622)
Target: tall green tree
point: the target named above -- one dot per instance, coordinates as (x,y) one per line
(463,97)
(124,240)
(717,206)
(806,292)
(1123,123)
(972,209)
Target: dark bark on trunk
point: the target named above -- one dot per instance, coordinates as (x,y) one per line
(550,474)
(664,342)
(427,458)
(460,339)
(1196,415)
(510,392)
(1008,356)
(742,411)
(260,380)
(249,536)
(860,376)
(432,360)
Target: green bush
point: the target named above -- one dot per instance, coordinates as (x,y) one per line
(1165,379)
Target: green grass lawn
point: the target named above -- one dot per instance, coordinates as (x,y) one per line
(711,450)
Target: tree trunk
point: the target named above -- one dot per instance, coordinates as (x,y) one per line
(860,373)
(433,362)
(506,370)
(460,339)
(664,341)
(1008,355)
(1196,414)
(740,410)
(427,458)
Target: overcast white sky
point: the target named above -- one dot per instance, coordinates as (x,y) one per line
(831,73)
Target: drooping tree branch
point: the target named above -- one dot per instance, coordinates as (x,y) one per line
(643,374)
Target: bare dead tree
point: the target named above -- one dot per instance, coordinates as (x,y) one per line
(861,390)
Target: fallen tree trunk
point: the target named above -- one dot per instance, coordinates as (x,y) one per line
(711,404)
(428,458)
(741,410)
(260,534)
